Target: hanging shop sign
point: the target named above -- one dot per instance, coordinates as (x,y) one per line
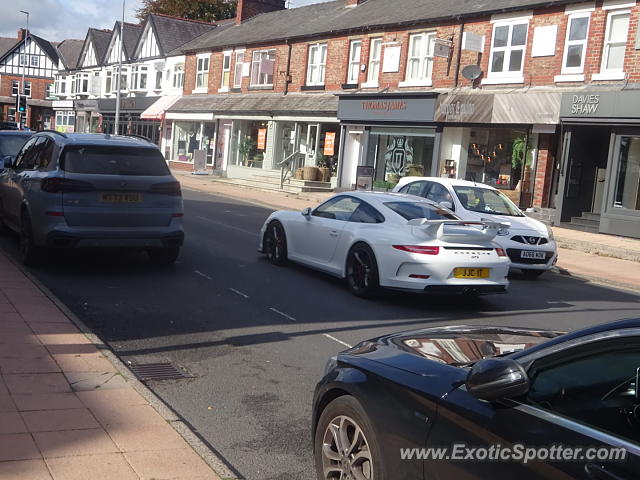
(441,48)
(329,144)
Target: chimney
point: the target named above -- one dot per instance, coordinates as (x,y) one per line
(250,8)
(353,3)
(21,33)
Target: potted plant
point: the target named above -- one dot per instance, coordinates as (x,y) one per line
(415,170)
(245,146)
(324,164)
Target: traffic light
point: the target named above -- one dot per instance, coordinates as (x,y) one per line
(22,104)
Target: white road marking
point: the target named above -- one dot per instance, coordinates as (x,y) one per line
(226,225)
(238,292)
(202,275)
(288,317)
(337,340)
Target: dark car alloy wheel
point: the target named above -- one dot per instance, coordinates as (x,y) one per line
(345,447)
(276,244)
(362,271)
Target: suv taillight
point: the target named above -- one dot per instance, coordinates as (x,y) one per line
(166,188)
(59,184)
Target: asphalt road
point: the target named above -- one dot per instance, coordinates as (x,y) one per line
(256,337)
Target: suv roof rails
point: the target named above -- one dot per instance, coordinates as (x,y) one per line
(64,135)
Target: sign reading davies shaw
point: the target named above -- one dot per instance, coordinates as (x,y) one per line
(601,104)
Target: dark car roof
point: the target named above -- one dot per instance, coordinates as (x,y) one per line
(16,132)
(99,139)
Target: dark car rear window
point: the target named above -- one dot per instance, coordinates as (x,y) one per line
(11,144)
(413,210)
(109,160)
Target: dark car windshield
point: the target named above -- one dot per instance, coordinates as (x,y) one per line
(11,144)
(110,160)
(486,200)
(412,210)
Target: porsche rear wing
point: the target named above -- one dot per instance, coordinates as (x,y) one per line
(463,231)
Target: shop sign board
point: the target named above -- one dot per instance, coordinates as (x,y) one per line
(329,144)
(364,177)
(464,108)
(601,104)
(200,161)
(387,108)
(262,139)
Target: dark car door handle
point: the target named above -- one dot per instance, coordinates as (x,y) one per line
(598,472)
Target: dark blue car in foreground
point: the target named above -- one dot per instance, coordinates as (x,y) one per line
(483,403)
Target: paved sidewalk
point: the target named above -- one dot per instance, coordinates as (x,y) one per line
(66,413)
(600,258)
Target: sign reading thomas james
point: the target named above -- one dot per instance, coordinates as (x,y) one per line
(387,108)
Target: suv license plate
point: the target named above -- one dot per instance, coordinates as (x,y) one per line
(121,197)
(533,254)
(471,272)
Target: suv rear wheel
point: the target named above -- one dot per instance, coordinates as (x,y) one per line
(163,256)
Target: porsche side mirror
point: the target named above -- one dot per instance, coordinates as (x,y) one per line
(495,378)
(446,204)
(306,212)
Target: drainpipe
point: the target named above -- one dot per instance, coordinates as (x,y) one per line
(287,77)
(458,59)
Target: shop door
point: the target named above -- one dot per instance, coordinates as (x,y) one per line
(312,143)
(601,176)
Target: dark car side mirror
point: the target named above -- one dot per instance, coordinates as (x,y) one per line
(6,162)
(495,378)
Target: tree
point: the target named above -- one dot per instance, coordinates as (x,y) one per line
(205,10)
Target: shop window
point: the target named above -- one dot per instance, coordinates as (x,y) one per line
(375,54)
(249,143)
(238,70)
(355,51)
(508,48)
(202,73)
(139,77)
(420,61)
(178,75)
(615,43)
(262,67)
(15,87)
(316,64)
(226,71)
(575,44)
(627,189)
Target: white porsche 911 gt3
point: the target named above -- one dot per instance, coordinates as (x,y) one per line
(389,240)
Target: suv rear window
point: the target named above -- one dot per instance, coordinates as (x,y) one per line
(108,160)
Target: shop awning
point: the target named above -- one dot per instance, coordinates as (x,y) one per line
(260,104)
(157,110)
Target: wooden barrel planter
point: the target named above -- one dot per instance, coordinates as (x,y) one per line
(299,174)
(310,173)
(325,174)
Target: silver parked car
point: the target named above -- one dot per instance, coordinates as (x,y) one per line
(91,190)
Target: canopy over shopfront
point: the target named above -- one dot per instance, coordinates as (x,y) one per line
(158,109)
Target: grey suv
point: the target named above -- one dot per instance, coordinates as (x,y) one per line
(91,190)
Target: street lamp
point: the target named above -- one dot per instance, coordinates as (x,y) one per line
(24,68)
(116,125)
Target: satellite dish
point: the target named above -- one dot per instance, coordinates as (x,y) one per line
(471,72)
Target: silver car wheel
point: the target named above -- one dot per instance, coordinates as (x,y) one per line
(345,451)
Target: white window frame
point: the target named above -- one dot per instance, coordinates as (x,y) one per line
(158,81)
(124,73)
(374,64)
(50,90)
(226,58)
(203,63)
(15,88)
(256,62)
(108,81)
(425,60)
(611,73)
(506,76)
(139,72)
(81,81)
(238,69)
(316,71)
(569,43)
(27,88)
(60,85)
(23,60)
(353,68)
(37,59)
(178,76)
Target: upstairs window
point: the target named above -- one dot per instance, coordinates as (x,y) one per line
(35,61)
(124,80)
(139,77)
(575,45)
(238,70)
(108,81)
(316,64)
(262,68)
(15,87)
(508,48)
(158,85)
(82,83)
(375,55)
(420,59)
(50,92)
(61,85)
(27,89)
(178,76)
(615,41)
(202,73)
(24,60)
(226,71)
(355,52)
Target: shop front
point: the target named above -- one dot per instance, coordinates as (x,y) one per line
(190,140)
(599,183)
(130,121)
(65,116)
(503,140)
(394,134)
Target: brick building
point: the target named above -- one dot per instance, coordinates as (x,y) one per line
(505,93)
(39,60)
